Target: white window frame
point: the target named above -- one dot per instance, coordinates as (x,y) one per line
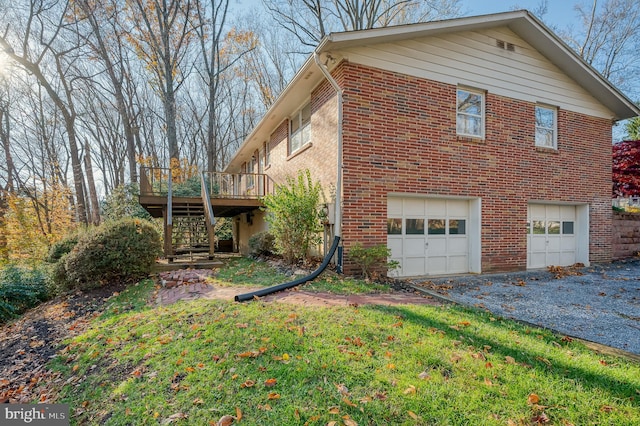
(461,114)
(302,133)
(553,129)
(251,164)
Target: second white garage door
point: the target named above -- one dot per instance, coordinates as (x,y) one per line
(551,235)
(428,236)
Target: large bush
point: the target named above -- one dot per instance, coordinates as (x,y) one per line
(21,289)
(293,215)
(61,248)
(123,250)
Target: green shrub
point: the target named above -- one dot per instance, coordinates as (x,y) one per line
(21,289)
(191,187)
(60,248)
(371,259)
(261,243)
(119,250)
(123,202)
(293,215)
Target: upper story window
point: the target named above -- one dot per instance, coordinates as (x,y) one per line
(250,172)
(470,113)
(300,130)
(546,127)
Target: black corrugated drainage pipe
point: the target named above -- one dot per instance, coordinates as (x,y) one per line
(265,291)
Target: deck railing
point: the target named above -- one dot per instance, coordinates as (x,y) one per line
(155,181)
(238,185)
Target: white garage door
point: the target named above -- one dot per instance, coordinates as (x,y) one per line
(428,236)
(551,235)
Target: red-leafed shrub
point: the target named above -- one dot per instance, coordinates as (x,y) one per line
(626,169)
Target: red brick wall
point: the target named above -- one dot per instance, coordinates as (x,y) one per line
(400,136)
(321,157)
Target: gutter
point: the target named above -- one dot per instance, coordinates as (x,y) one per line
(338,89)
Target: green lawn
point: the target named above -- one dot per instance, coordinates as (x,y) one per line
(281,364)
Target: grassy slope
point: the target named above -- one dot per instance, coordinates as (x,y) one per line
(369,365)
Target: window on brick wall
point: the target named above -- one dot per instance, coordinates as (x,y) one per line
(300,129)
(470,113)
(250,172)
(546,127)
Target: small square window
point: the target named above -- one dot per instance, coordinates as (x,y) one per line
(567,228)
(546,127)
(457,227)
(470,113)
(414,226)
(394,226)
(437,227)
(553,227)
(538,227)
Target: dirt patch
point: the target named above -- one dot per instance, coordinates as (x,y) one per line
(27,344)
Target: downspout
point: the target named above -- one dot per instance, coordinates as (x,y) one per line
(338,211)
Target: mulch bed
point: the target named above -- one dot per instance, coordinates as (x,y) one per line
(28,343)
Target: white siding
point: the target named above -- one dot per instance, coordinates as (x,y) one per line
(472,58)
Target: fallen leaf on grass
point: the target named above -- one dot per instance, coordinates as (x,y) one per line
(540,419)
(270,382)
(348,421)
(334,410)
(410,390)
(413,415)
(349,403)
(248,384)
(225,421)
(510,360)
(273,395)
(424,376)
(174,418)
(198,401)
(342,389)
(607,409)
(533,399)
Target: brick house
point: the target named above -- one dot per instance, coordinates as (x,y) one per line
(469,145)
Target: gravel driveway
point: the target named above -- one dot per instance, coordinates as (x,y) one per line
(600,303)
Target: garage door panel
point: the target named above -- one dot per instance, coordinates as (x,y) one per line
(437,245)
(394,207)
(414,247)
(395,245)
(436,208)
(458,245)
(568,243)
(567,258)
(457,208)
(414,207)
(437,265)
(458,264)
(538,243)
(413,266)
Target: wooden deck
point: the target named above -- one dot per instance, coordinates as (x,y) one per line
(222,207)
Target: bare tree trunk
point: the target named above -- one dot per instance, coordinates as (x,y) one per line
(95,207)
(8,188)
